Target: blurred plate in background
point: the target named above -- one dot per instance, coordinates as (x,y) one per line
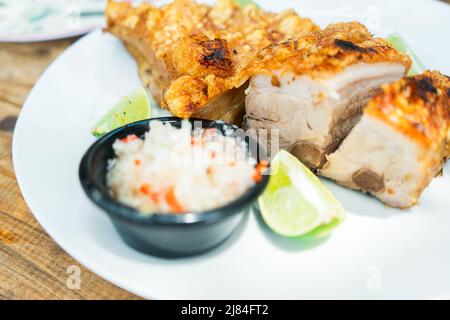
(41,20)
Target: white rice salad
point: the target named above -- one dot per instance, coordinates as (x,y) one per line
(180,170)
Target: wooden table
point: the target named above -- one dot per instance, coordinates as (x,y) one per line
(32,265)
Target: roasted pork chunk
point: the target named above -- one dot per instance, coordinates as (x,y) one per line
(312,88)
(194,57)
(400,143)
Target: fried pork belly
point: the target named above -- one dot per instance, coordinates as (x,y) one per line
(312,88)
(194,58)
(400,143)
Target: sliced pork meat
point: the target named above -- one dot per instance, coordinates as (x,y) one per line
(400,143)
(194,57)
(312,89)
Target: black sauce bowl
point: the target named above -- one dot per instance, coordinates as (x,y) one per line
(165,235)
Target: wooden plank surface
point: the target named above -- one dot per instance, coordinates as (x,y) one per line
(32,265)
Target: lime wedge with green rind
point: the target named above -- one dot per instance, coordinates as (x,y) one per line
(243,3)
(322,231)
(296,203)
(397,41)
(133,107)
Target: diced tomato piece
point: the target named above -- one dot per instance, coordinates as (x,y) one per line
(146,189)
(172,201)
(130,137)
(209,132)
(196,141)
(257,177)
(263,163)
(259,169)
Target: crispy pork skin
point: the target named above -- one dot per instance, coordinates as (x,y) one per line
(193,57)
(400,143)
(312,89)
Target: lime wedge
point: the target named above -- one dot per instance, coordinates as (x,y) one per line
(133,107)
(295,202)
(243,3)
(400,45)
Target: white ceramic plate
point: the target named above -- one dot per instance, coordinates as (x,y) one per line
(377,252)
(42,20)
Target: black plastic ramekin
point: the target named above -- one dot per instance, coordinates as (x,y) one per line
(166,235)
